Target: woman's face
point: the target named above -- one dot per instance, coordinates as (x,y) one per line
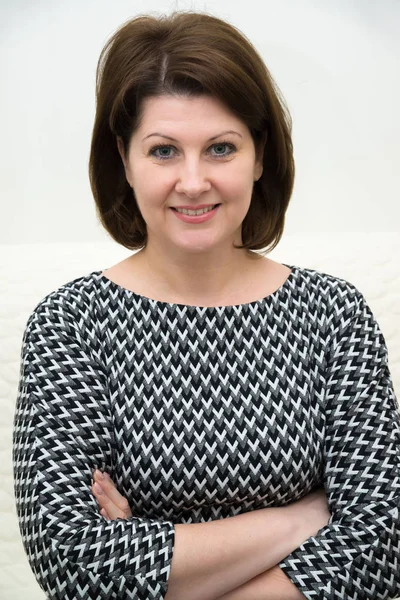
(211,160)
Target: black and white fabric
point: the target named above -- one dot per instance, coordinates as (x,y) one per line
(202,413)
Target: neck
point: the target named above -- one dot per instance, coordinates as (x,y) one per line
(196,279)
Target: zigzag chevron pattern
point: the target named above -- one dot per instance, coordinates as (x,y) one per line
(201,413)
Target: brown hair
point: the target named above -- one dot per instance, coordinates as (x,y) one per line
(187,53)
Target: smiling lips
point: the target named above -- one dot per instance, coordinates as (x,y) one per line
(189,216)
(193,211)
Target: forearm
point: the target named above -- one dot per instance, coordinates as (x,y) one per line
(211,559)
(270,585)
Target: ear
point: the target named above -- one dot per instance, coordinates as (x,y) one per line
(258,168)
(121,150)
(259,164)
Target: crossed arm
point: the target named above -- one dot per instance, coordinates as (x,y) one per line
(271,584)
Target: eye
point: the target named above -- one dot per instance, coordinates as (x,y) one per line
(163,156)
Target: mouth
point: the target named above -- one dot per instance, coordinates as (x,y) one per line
(199,218)
(200,213)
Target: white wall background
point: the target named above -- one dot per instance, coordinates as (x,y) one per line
(335,61)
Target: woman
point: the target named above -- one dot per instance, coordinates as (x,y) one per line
(242,410)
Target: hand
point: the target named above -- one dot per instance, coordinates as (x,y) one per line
(313,510)
(272,584)
(112,504)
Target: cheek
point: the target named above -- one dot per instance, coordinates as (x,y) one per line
(150,183)
(237,186)
(240,176)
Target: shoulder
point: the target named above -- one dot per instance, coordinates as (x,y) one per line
(328,287)
(330,302)
(71,306)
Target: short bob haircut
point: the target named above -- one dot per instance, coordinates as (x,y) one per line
(191,54)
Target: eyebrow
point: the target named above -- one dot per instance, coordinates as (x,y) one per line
(174,140)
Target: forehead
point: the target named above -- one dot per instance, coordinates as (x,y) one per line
(177,111)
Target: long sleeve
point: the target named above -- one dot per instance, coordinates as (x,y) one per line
(62,431)
(357,555)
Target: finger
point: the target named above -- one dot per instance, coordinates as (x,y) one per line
(101,497)
(104,513)
(104,501)
(105,504)
(109,489)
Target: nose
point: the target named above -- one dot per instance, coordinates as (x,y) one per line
(192,179)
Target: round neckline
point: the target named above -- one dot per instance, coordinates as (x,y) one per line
(172,305)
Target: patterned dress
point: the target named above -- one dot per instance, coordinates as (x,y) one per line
(203,413)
